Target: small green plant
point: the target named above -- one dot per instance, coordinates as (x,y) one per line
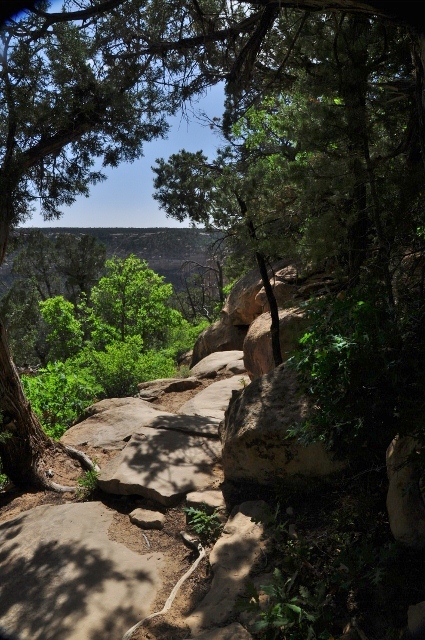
(205,524)
(87,484)
(291,609)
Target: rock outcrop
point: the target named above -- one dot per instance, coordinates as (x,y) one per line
(244,304)
(254,432)
(284,283)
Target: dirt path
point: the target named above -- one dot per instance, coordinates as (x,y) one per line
(178,558)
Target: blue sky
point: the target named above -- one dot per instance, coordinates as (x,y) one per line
(125,198)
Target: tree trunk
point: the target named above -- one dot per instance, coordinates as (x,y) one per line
(274,311)
(271,298)
(22,440)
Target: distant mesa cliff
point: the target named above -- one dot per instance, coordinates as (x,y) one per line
(164,249)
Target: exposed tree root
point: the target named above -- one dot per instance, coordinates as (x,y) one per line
(195,544)
(85,462)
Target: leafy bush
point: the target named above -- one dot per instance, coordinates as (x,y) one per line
(122,365)
(291,609)
(340,553)
(59,393)
(348,363)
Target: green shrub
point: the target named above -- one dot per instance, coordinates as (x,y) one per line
(122,365)
(59,393)
(348,364)
(155,364)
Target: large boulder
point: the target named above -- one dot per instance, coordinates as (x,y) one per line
(241,306)
(405,504)
(220,336)
(257,346)
(284,283)
(247,299)
(254,429)
(244,303)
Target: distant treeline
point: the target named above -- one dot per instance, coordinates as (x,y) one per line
(164,249)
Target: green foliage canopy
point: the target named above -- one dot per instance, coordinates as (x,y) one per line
(132,299)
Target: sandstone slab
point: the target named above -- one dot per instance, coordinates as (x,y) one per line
(212,498)
(215,362)
(63,579)
(161,464)
(235,367)
(214,399)
(111,422)
(112,425)
(233,557)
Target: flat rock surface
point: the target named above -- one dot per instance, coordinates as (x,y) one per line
(162,465)
(215,362)
(214,399)
(234,555)
(113,426)
(63,579)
